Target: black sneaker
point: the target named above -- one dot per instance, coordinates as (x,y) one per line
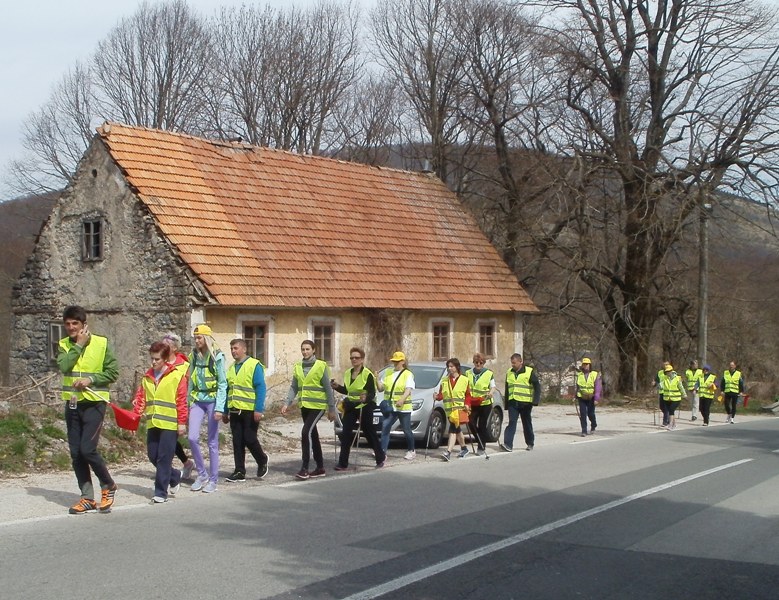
(505,448)
(302,474)
(262,470)
(319,472)
(236,477)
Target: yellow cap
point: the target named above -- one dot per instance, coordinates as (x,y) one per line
(668,368)
(397,357)
(586,361)
(202,330)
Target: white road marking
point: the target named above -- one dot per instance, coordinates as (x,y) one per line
(461,559)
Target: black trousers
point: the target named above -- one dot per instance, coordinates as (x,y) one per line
(705,407)
(477,423)
(350,418)
(244,429)
(84,424)
(180,452)
(731,401)
(309,437)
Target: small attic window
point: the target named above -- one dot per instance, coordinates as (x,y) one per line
(92,240)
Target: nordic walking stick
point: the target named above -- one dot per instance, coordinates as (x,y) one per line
(356,442)
(481,444)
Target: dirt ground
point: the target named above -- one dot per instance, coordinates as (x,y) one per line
(43,496)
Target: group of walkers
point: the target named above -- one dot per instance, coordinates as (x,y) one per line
(179,392)
(702,386)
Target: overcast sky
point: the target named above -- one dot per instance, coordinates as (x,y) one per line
(41,39)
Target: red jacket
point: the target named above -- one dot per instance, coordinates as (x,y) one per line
(182,408)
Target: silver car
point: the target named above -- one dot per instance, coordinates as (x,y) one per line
(428,420)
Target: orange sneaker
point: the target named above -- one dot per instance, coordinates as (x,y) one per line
(107,499)
(84,505)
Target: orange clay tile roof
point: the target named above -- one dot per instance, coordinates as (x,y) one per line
(268,228)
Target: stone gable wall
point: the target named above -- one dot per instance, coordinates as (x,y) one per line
(135,294)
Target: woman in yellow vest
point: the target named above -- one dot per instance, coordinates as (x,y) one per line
(162,397)
(706,386)
(659,378)
(673,392)
(455,392)
(397,386)
(311,388)
(360,389)
(691,377)
(732,384)
(482,381)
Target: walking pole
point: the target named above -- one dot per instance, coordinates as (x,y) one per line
(356,442)
(478,439)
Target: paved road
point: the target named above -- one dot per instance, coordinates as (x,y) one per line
(665,515)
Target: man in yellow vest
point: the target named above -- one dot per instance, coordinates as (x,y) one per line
(311,387)
(706,386)
(523,391)
(658,383)
(691,377)
(88,367)
(588,393)
(732,384)
(246,406)
(673,392)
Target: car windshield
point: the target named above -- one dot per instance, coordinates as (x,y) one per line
(425,377)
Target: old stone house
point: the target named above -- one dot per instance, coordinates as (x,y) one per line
(160,231)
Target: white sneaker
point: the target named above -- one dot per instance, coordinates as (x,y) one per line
(158,500)
(174,489)
(732,420)
(410,455)
(199,483)
(210,487)
(728,419)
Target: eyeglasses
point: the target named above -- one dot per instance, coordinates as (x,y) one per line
(478,362)
(355,357)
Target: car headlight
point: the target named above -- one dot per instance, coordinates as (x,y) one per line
(417,404)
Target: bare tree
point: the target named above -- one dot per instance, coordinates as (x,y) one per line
(416,43)
(283,74)
(151,68)
(665,103)
(56,136)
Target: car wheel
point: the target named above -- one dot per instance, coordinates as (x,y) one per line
(494,424)
(435,430)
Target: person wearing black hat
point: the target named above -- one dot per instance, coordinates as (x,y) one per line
(706,387)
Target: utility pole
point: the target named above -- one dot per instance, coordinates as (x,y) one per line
(704,211)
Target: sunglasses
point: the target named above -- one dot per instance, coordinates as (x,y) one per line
(355,357)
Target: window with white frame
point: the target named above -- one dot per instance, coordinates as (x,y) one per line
(441,331)
(487,338)
(256,336)
(323,334)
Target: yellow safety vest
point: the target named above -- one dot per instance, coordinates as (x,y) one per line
(397,391)
(519,386)
(355,388)
(480,386)
(454,397)
(312,394)
(240,388)
(691,377)
(209,383)
(587,384)
(705,389)
(161,398)
(90,363)
(731,381)
(660,379)
(671,391)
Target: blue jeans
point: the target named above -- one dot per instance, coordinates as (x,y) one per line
(160,447)
(405,423)
(587,411)
(517,410)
